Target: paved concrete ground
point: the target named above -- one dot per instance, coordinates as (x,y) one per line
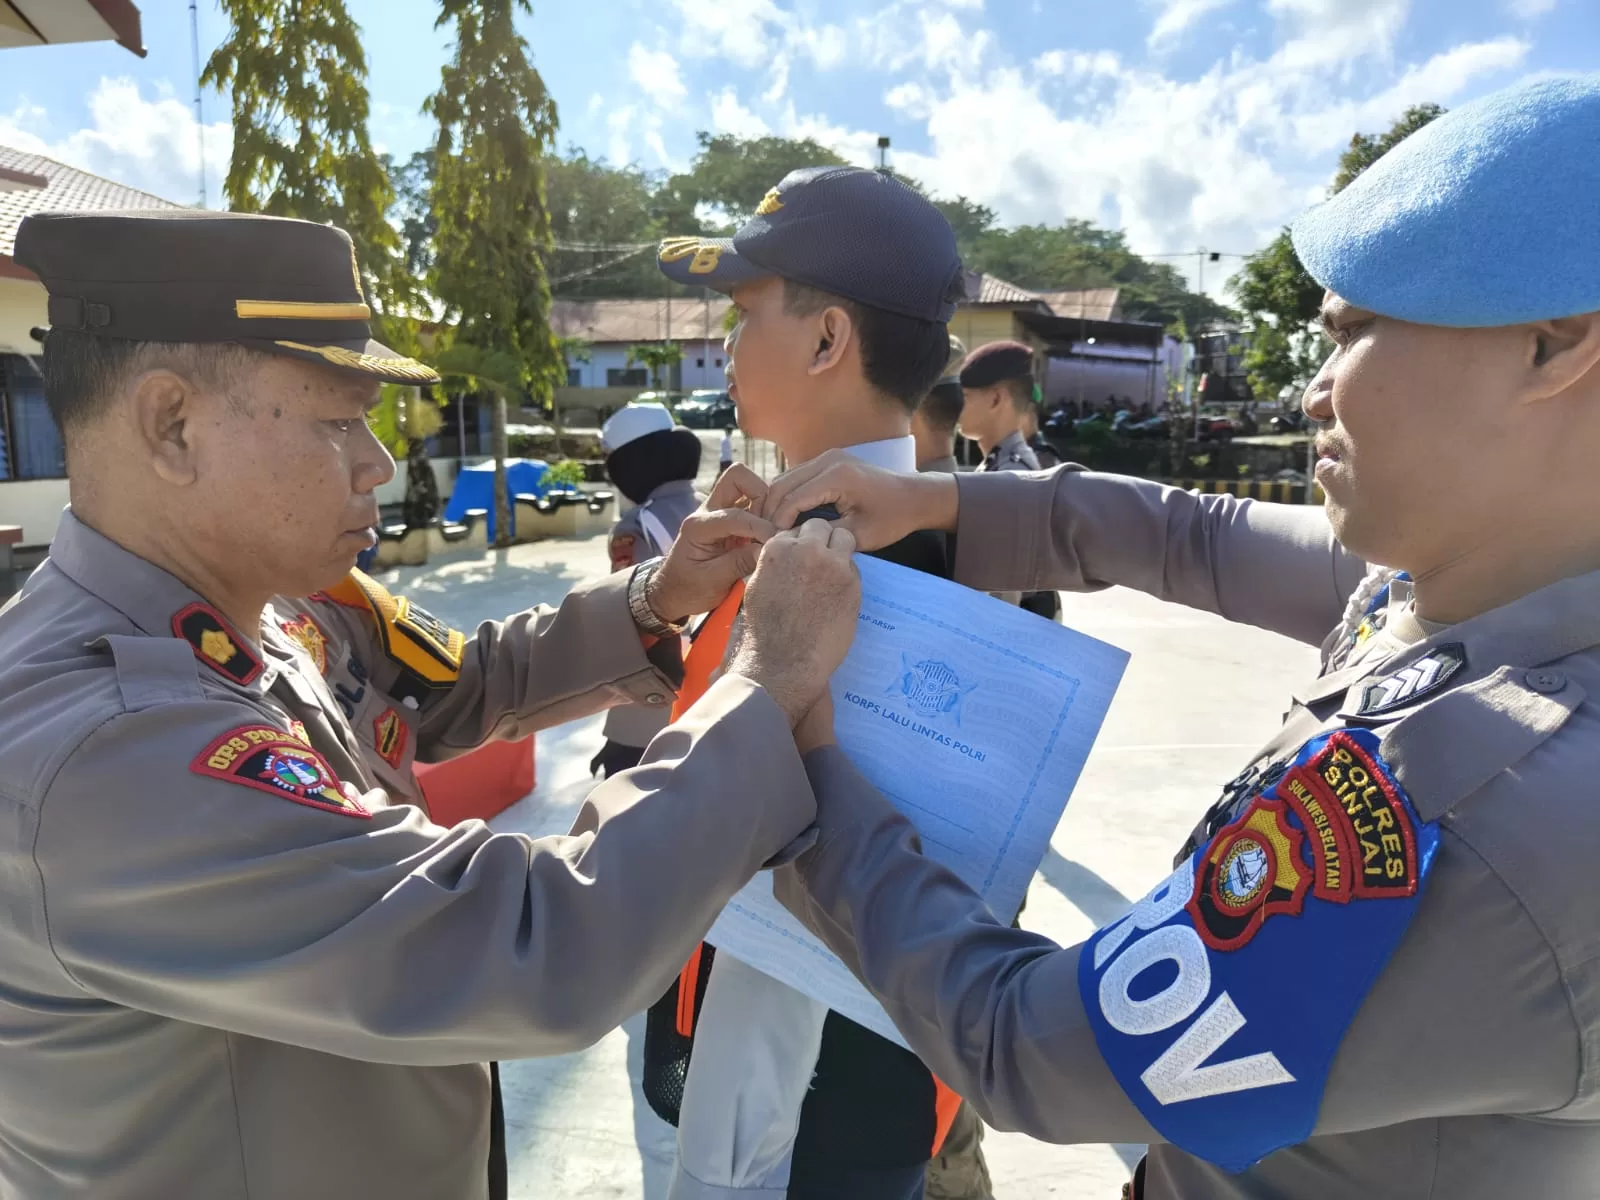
(1199,695)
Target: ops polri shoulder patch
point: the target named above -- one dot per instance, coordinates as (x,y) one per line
(216,643)
(276,761)
(428,649)
(1220,1000)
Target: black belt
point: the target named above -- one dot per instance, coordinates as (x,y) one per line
(498,1186)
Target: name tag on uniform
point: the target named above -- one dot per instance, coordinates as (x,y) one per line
(1220,1000)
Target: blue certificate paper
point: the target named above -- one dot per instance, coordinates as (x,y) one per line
(974,718)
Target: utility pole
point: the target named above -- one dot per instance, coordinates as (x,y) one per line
(199,113)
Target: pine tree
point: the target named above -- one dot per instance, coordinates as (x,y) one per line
(496,124)
(300,145)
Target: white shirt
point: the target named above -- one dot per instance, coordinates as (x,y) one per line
(756,1046)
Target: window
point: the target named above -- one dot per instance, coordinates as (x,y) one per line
(574,377)
(719,362)
(699,362)
(627,377)
(30,444)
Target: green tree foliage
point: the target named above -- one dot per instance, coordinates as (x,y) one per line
(1367,148)
(730,175)
(658,356)
(594,204)
(496,126)
(298,78)
(1280,299)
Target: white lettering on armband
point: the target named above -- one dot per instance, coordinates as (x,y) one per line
(1178,1074)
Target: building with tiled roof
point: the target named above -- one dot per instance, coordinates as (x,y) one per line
(33,487)
(31,183)
(612,327)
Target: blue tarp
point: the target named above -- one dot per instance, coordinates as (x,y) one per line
(475,488)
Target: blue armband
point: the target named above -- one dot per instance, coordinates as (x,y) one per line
(1220,1000)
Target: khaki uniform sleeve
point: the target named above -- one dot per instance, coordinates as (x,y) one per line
(1276,566)
(996,1012)
(513,677)
(377,935)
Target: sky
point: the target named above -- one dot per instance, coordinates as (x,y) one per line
(1185,123)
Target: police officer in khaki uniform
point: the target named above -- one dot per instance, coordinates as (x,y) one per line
(1374,971)
(235,962)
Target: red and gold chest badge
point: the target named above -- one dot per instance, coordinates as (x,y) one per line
(216,644)
(272,760)
(389,734)
(308,635)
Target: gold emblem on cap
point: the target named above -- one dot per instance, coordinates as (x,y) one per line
(355,272)
(675,248)
(770,203)
(217,646)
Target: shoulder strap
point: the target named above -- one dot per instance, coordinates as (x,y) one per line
(706,655)
(656,530)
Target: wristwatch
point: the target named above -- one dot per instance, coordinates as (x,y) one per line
(644,616)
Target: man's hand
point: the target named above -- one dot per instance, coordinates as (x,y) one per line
(717,546)
(800,611)
(878,507)
(816,727)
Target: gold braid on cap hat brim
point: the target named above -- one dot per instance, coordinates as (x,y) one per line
(407,368)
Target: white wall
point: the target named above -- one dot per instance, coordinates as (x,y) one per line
(36,505)
(609,355)
(22,306)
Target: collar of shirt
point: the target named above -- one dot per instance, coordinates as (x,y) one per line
(673,487)
(142,592)
(892,454)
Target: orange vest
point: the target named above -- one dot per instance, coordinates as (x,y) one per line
(705,656)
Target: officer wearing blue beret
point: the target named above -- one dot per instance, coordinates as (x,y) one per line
(1375,970)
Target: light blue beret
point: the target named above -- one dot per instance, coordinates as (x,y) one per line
(1488,216)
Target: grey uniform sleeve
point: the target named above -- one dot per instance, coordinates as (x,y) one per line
(385,937)
(996,1012)
(534,669)
(1276,566)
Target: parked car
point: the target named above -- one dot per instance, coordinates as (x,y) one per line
(706,410)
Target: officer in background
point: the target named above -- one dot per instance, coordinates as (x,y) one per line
(653,461)
(997,395)
(1373,973)
(934,422)
(997,389)
(235,964)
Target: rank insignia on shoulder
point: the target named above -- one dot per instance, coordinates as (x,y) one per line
(418,641)
(308,635)
(1410,684)
(389,734)
(275,761)
(1220,1000)
(216,644)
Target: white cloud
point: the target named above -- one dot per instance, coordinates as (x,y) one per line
(1221,160)
(739,30)
(1527,10)
(656,74)
(619,127)
(153,145)
(1439,80)
(728,115)
(1329,32)
(1177,15)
